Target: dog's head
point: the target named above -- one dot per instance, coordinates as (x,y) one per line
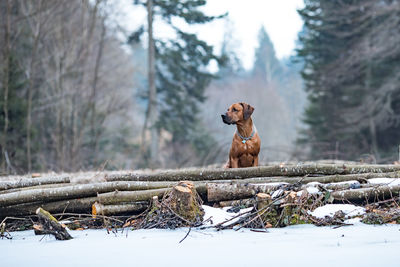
(237,112)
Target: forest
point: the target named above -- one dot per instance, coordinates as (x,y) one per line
(80,92)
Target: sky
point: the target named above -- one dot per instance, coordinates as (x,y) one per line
(244,20)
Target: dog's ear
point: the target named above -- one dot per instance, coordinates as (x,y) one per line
(247,110)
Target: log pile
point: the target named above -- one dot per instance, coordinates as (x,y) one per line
(133,194)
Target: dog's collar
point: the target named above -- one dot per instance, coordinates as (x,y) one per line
(245,139)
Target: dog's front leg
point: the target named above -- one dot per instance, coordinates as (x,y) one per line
(255,161)
(234,162)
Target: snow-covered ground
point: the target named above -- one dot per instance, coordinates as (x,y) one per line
(302,245)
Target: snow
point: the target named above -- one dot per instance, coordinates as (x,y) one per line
(331,209)
(311,190)
(220,215)
(301,245)
(350,182)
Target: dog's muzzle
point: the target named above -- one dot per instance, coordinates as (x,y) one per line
(226,119)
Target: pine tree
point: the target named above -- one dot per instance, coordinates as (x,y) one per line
(266,64)
(348,70)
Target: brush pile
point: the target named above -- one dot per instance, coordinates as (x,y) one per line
(278,196)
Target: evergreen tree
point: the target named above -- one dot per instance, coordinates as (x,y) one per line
(266,64)
(348,70)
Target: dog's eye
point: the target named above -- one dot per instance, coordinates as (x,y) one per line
(234,109)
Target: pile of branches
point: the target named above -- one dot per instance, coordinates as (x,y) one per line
(131,198)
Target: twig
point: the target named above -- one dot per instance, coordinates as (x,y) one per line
(190,228)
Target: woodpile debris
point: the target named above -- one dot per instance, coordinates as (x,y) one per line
(278,196)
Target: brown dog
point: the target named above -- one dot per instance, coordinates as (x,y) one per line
(246,142)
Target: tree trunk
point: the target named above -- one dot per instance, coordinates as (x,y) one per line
(252,172)
(151,114)
(6,74)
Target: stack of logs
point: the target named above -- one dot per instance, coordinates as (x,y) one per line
(132,192)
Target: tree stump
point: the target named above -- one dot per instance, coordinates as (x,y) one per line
(50,225)
(267,213)
(180,207)
(184,200)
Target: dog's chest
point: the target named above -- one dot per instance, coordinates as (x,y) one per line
(247,147)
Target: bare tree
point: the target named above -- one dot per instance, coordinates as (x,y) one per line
(151,113)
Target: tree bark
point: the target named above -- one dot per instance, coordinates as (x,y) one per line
(4,185)
(253,172)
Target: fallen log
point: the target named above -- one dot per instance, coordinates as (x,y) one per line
(361,177)
(50,225)
(34,187)
(130,196)
(232,191)
(26,182)
(81,205)
(100,209)
(376,193)
(260,171)
(74,191)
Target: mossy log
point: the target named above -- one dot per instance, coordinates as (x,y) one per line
(232,191)
(26,182)
(133,208)
(260,171)
(376,193)
(50,225)
(74,191)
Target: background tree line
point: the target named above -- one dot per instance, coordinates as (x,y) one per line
(74,91)
(351,71)
(74,86)
(65,86)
